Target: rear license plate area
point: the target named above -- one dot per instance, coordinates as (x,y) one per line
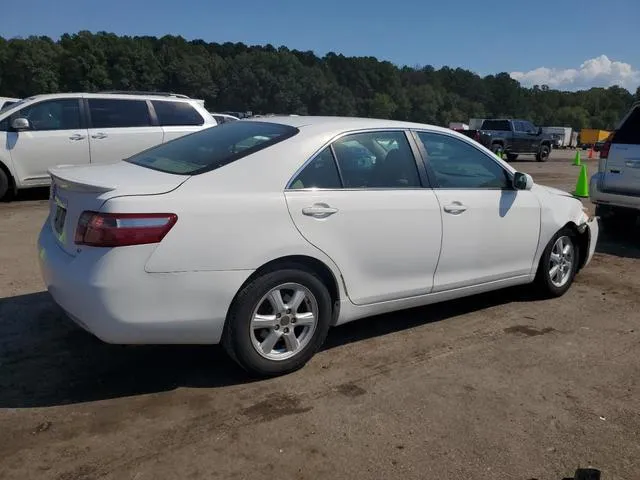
(59,217)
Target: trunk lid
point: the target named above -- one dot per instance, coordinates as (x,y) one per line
(621,170)
(76,189)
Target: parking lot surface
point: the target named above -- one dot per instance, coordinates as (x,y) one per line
(498,386)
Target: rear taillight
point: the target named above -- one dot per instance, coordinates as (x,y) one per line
(477,136)
(604,151)
(121,229)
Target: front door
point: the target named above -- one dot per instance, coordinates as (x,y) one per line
(120,128)
(55,137)
(366,209)
(489,230)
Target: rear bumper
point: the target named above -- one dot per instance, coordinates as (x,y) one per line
(613,199)
(108,293)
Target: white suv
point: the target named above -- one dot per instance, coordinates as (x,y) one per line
(615,189)
(44,131)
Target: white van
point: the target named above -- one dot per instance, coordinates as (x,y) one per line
(44,131)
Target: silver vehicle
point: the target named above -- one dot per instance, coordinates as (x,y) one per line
(615,188)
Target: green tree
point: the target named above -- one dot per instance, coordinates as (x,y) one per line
(277,79)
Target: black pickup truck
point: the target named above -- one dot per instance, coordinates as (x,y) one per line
(513,137)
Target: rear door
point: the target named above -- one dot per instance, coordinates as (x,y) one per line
(119,128)
(361,201)
(56,135)
(177,118)
(622,168)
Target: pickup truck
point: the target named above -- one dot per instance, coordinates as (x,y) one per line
(513,137)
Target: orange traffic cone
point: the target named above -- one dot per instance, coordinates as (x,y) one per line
(591,152)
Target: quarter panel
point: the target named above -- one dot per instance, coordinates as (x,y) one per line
(239,231)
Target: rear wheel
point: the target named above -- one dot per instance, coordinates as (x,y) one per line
(278,321)
(558,264)
(543,153)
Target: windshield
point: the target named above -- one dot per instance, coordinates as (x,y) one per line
(213,147)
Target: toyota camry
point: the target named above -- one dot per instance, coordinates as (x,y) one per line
(262,234)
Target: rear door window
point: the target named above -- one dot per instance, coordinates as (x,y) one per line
(116,113)
(629,131)
(321,172)
(212,148)
(376,160)
(172,114)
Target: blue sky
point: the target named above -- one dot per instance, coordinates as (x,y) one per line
(486,37)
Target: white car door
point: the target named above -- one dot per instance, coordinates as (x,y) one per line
(371,215)
(119,128)
(489,230)
(55,136)
(177,118)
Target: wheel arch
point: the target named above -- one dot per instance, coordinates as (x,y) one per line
(309,263)
(582,237)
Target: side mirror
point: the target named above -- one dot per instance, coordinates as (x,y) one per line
(539,130)
(522,181)
(20,124)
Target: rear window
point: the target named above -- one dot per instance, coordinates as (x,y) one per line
(176,114)
(629,131)
(213,147)
(499,125)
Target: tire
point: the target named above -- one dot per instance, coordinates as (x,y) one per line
(544,283)
(512,157)
(243,340)
(543,153)
(4,186)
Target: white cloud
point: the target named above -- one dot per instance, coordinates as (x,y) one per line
(596,72)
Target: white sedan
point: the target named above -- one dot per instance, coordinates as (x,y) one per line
(262,234)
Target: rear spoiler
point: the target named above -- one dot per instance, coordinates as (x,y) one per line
(66,181)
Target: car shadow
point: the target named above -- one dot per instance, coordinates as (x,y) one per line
(621,241)
(29,195)
(46,360)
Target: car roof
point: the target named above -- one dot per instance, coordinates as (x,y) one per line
(146,96)
(343,124)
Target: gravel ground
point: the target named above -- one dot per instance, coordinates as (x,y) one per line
(498,386)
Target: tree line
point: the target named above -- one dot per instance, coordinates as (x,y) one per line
(266,79)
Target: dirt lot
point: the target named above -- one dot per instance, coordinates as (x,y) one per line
(500,386)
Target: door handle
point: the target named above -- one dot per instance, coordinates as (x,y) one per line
(99,135)
(319,210)
(455,208)
(77,136)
